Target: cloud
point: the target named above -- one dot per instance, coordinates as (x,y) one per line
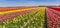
(6,3)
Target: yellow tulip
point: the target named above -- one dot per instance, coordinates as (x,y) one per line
(15,20)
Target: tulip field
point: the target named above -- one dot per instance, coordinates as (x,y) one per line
(34,17)
(23,18)
(53,17)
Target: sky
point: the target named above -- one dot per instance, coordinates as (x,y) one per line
(7,3)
